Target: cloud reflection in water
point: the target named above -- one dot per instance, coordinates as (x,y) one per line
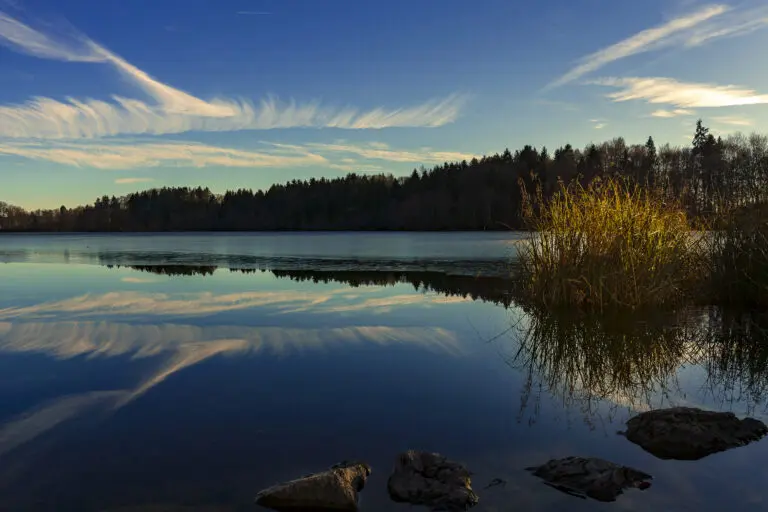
(54,329)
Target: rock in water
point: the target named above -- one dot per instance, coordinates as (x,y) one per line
(686,433)
(422,478)
(334,489)
(596,478)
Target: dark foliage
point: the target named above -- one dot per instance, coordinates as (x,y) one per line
(707,177)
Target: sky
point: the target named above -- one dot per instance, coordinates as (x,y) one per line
(107,97)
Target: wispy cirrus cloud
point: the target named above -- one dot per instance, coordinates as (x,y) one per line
(647,40)
(381,151)
(733,120)
(130,181)
(672,113)
(173,110)
(684,95)
(735,23)
(701,26)
(128,155)
(116,155)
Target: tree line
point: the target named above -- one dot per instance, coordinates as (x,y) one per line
(706,177)
(486,288)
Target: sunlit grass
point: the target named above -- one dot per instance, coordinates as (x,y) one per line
(608,245)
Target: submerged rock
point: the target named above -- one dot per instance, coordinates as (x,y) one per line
(595,478)
(422,478)
(686,433)
(334,489)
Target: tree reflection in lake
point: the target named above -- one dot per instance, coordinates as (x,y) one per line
(172,270)
(486,288)
(621,360)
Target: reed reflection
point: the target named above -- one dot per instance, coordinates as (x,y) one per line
(640,361)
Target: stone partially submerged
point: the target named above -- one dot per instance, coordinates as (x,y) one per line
(686,433)
(590,477)
(429,479)
(332,490)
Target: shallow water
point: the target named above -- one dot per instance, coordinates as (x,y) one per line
(158,376)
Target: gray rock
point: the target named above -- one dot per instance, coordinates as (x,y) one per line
(422,478)
(590,477)
(686,433)
(331,490)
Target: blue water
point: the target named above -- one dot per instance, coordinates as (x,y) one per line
(126,389)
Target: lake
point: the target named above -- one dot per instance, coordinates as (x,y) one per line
(189,371)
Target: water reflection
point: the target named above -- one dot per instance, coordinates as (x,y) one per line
(494,289)
(35,422)
(173,270)
(626,360)
(641,361)
(632,360)
(173,348)
(736,356)
(204,358)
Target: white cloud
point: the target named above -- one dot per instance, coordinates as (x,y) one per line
(116,155)
(379,151)
(104,155)
(130,181)
(733,24)
(649,39)
(672,113)
(598,124)
(22,38)
(681,94)
(173,110)
(733,120)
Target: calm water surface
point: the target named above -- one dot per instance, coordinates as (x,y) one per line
(190,371)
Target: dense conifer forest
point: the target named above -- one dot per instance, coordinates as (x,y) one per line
(707,176)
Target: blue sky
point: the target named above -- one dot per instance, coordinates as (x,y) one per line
(106,97)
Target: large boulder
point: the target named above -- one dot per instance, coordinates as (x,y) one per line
(429,479)
(332,490)
(590,477)
(686,433)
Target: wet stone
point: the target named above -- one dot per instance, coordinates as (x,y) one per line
(429,479)
(590,477)
(333,490)
(686,433)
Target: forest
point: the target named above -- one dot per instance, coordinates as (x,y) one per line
(706,177)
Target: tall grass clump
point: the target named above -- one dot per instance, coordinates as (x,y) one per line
(739,258)
(608,245)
